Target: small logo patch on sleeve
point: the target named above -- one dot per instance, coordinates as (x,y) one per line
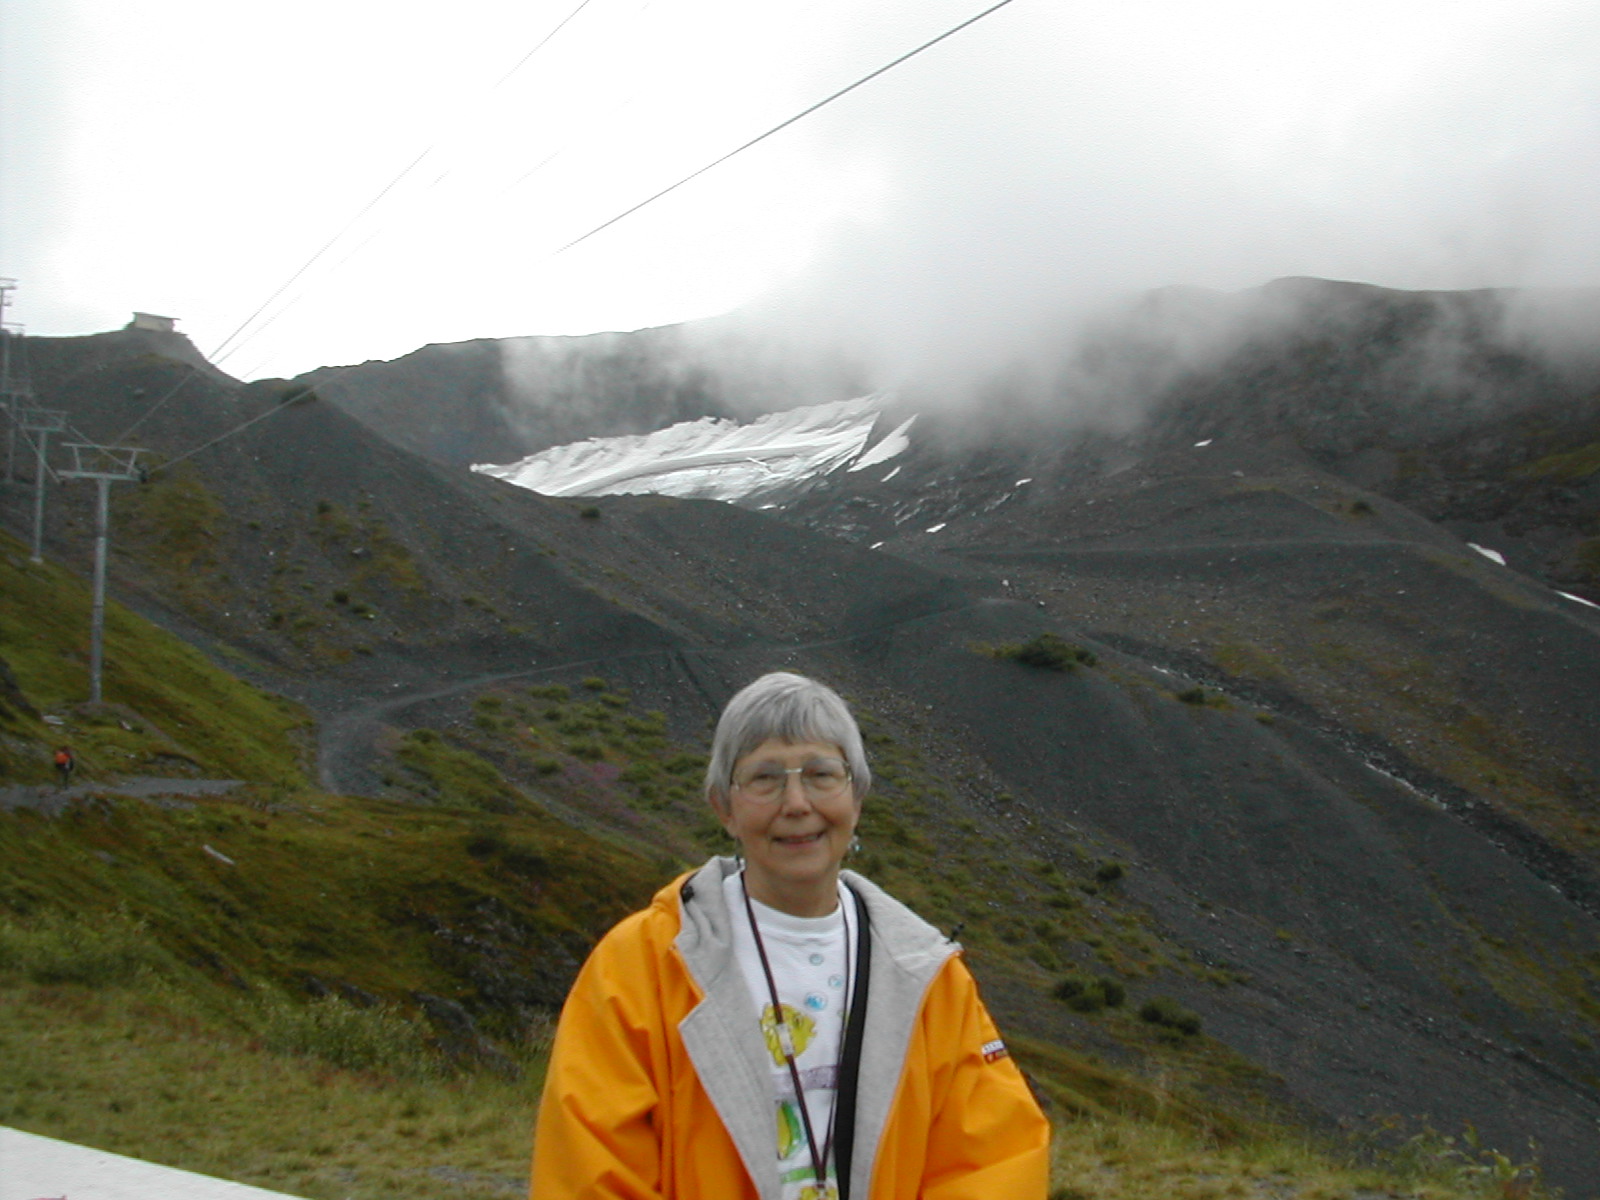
(994,1051)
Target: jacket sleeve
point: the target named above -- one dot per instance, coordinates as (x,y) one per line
(987,1137)
(596,1136)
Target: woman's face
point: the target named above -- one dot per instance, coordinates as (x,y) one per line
(793,842)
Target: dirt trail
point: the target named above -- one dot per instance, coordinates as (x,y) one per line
(52,800)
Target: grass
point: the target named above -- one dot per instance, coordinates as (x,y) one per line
(166,705)
(1569,466)
(144,1074)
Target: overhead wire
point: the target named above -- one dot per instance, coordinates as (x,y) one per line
(801,115)
(218,356)
(221,353)
(290,402)
(190,372)
(781,125)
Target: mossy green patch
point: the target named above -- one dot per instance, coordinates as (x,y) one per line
(1568,466)
(166,702)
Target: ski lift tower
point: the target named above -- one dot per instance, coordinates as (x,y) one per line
(105,465)
(40,422)
(14,391)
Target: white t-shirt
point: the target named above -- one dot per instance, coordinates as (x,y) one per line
(808,960)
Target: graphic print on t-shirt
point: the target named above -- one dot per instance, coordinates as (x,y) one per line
(801,1028)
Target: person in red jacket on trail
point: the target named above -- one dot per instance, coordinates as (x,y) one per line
(773,1027)
(65,765)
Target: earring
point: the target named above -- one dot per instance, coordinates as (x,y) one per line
(855,846)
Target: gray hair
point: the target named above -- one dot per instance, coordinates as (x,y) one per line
(790,708)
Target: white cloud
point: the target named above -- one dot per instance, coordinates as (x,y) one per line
(184,157)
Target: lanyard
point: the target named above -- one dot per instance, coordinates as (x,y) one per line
(819,1162)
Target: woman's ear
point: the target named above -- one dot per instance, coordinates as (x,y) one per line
(723,811)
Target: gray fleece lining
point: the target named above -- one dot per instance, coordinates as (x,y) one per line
(726,1047)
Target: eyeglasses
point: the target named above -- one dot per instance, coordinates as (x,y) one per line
(820,779)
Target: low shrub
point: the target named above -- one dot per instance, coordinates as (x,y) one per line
(1168,1013)
(1089,993)
(54,948)
(330,1028)
(1049,651)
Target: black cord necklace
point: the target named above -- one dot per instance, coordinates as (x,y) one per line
(819,1162)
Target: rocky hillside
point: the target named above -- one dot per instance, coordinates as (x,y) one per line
(1245,724)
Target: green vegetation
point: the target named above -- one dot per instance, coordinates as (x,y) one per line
(1569,466)
(1088,994)
(1048,651)
(167,710)
(1169,1014)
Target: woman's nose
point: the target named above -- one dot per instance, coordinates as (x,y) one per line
(794,790)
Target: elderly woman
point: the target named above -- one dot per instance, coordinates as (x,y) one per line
(774,1027)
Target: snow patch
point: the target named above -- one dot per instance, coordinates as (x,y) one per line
(891,445)
(1579,599)
(887,477)
(936,528)
(1020,482)
(713,458)
(1201,445)
(1491,555)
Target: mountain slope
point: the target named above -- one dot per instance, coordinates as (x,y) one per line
(1344,762)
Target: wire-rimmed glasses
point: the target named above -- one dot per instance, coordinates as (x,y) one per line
(820,779)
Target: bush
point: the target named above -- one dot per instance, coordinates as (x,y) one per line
(1109,871)
(380,1038)
(1194,695)
(1089,993)
(589,512)
(1050,652)
(54,948)
(1168,1013)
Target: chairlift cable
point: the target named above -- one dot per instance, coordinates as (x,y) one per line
(190,373)
(222,437)
(803,113)
(217,356)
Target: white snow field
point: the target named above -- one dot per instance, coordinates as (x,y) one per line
(713,458)
(41,1168)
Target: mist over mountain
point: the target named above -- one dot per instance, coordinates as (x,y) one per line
(1309,571)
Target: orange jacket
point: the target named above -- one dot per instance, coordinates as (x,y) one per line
(657,1088)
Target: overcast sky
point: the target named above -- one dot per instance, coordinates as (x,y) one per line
(187,157)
